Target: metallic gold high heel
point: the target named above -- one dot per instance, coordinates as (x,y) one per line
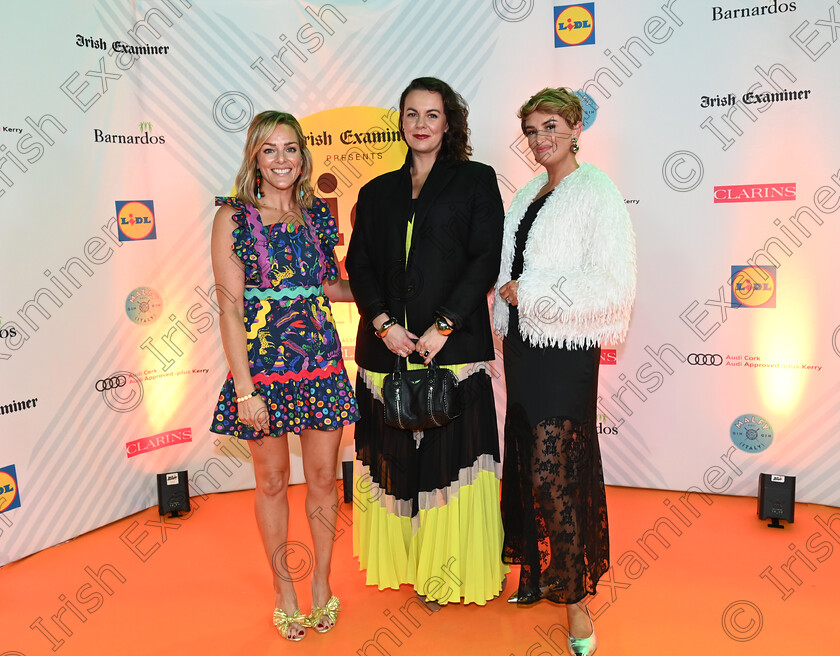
(584,646)
(283,621)
(330,610)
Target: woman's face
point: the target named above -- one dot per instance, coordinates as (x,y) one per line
(550,138)
(279,159)
(424,121)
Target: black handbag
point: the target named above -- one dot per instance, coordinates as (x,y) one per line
(417,399)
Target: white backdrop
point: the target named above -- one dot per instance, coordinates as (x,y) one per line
(86,124)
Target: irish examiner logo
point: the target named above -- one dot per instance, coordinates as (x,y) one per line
(755,193)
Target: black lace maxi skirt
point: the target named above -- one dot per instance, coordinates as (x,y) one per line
(554,507)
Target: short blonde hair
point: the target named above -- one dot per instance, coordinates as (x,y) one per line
(561,101)
(258,132)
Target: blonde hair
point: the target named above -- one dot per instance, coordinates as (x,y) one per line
(259,131)
(561,101)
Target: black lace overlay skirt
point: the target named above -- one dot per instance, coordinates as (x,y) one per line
(554,507)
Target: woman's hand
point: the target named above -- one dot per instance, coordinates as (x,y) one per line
(510,292)
(253,412)
(430,344)
(399,340)
(338,290)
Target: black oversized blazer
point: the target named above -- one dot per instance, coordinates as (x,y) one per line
(452,265)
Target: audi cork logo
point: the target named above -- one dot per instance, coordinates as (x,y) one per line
(708,359)
(122,391)
(110,383)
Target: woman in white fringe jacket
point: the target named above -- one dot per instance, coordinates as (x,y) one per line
(567,284)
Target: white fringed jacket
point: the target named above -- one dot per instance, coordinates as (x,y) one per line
(579,280)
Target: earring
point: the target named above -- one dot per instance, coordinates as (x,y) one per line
(259,184)
(575,148)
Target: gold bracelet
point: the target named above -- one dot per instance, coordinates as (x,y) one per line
(240,399)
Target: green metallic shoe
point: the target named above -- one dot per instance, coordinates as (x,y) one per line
(584,646)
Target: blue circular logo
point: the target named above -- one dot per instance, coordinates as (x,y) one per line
(143,305)
(751,433)
(590,109)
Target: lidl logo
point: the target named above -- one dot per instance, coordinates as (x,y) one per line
(9,497)
(753,286)
(574,25)
(136,219)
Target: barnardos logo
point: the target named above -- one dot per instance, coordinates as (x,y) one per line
(144,139)
(776,7)
(7,331)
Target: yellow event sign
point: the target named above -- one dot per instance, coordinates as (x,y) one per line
(350,147)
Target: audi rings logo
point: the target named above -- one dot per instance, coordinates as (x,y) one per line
(707,359)
(122,391)
(111,383)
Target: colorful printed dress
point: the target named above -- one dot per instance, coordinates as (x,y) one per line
(293,345)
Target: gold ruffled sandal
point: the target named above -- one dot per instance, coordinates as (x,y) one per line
(283,622)
(330,610)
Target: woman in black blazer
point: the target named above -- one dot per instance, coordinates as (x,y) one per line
(424,253)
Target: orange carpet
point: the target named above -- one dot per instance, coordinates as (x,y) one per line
(689,576)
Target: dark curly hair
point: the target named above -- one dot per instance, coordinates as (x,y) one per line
(456,140)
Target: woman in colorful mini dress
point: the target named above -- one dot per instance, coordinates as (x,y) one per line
(276,273)
(567,285)
(422,258)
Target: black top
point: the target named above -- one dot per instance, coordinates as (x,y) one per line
(452,262)
(522,236)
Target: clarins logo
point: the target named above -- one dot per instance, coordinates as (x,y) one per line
(608,356)
(755,192)
(155,442)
